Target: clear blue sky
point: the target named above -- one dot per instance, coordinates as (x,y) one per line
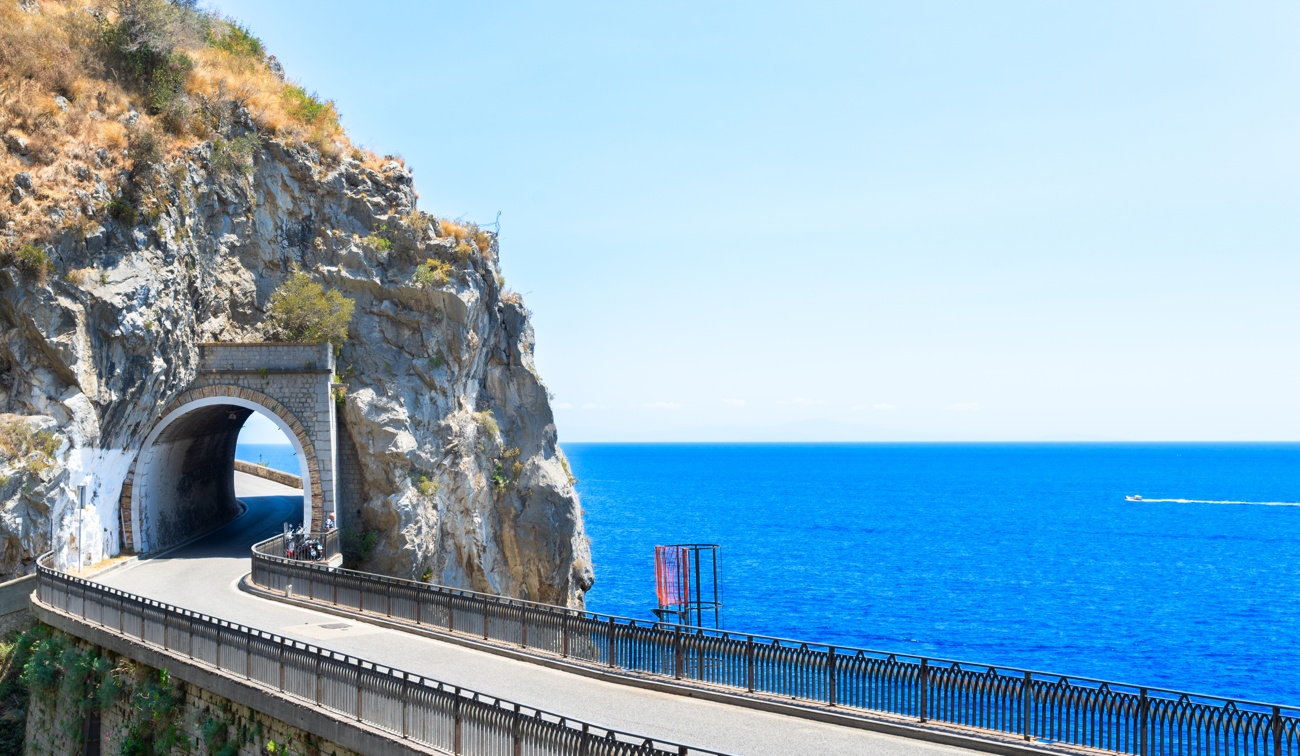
(861,221)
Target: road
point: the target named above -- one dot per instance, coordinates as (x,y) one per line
(203,576)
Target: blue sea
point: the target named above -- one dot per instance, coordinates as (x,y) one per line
(277,456)
(1023,555)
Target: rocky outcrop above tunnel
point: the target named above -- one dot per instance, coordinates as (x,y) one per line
(448,443)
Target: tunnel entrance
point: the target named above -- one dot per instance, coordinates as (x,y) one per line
(183,482)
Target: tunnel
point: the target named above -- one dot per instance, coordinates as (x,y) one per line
(184,481)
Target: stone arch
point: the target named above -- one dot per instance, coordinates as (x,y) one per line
(204,423)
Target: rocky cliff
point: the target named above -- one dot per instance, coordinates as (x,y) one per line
(129,240)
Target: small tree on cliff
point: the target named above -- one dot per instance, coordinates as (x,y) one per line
(301,310)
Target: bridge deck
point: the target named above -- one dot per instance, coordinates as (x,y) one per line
(203,577)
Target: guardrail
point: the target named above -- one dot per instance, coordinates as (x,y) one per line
(328,541)
(404,704)
(1048,707)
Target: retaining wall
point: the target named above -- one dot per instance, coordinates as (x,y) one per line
(271,474)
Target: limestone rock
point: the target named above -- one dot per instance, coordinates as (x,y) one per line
(461,479)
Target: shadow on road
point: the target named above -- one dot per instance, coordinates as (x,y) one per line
(264,517)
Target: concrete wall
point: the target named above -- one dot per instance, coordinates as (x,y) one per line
(16,603)
(351,496)
(277,476)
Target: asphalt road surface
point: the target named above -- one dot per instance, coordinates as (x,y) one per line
(203,576)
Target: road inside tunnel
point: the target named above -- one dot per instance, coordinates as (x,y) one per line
(185,475)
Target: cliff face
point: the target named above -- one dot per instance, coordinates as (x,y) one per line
(461,478)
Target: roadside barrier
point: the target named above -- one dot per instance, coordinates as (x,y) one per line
(1037,706)
(404,704)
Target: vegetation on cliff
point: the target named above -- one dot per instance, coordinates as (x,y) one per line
(82,85)
(164,180)
(99,103)
(302,310)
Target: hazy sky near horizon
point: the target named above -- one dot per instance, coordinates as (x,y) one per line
(859,221)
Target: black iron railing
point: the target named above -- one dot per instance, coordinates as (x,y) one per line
(404,704)
(298,546)
(1117,717)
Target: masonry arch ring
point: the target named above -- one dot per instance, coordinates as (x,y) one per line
(162,471)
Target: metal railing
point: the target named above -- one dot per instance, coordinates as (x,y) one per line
(328,541)
(1048,707)
(404,704)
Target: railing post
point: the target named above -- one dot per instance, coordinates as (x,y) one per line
(390,599)
(358,690)
(419,605)
(831,692)
(451,614)
(612,640)
(320,682)
(925,689)
(749,663)
(515,732)
(1144,716)
(406,697)
(523,628)
(564,634)
(248,656)
(1027,706)
(1277,731)
(486,604)
(678,655)
(282,667)
(455,714)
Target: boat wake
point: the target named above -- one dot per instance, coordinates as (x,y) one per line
(1208,501)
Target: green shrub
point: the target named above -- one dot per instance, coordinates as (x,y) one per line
(301,310)
(41,673)
(122,211)
(357,546)
(141,46)
(235,156)
(427,487)
(488,422)
(564,463)
(377,243)
(432,272)
(144,148)
(26,447)
(235,39)
(31,260)
(307,108)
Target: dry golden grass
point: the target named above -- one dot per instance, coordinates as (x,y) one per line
(22,446)
(56,51)
(466,233)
